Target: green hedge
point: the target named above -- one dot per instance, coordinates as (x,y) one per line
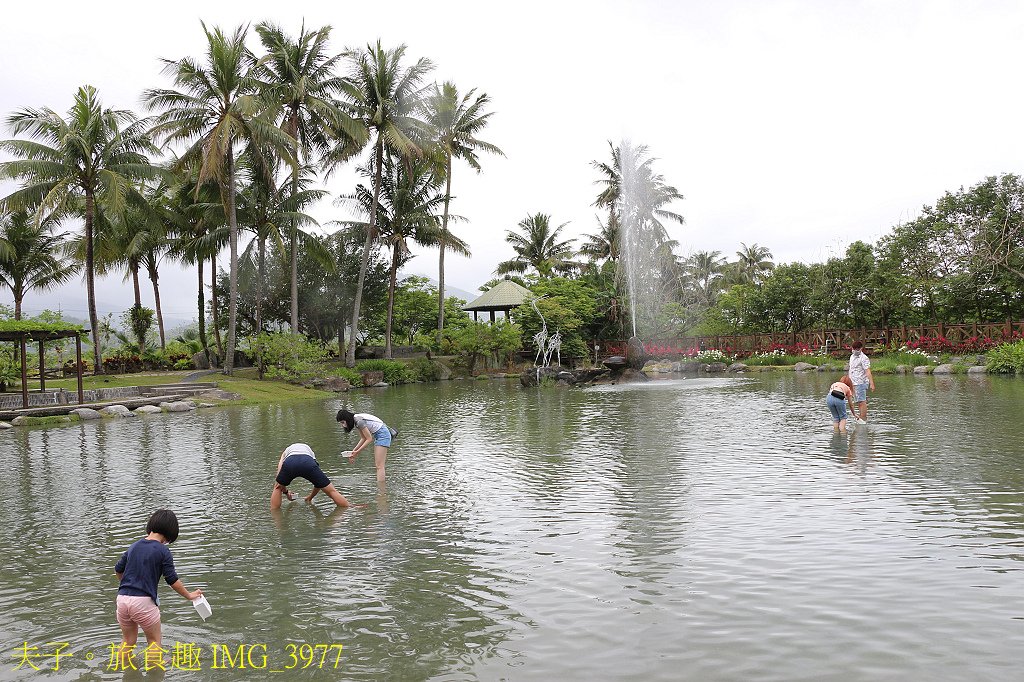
(394,372)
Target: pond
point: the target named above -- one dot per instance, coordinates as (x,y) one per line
(706,528)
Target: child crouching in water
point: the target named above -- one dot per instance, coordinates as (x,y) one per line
(139,570)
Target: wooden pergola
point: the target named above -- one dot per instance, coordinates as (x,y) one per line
(42,334)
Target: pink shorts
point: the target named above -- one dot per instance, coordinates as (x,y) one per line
(138,611)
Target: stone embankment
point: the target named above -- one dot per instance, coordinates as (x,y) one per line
(115,403)
(618,370)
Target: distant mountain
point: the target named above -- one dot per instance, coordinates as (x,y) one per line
(449,291)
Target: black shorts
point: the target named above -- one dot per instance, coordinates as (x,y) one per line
(302,466)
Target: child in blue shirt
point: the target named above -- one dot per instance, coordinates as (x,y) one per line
(139,570)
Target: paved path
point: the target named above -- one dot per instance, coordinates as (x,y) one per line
(195,376)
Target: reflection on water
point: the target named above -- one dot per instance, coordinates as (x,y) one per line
(694,529)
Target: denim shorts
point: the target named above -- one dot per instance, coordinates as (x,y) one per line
(383,436)
(837,406)
(860,393)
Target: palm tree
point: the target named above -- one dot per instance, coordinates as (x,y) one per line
(633,193)
(199,235)
(214,109)
(267,206)
(32,259)
(407,210)
(704,269)
(455,122)
(537,246)
(603,246)
(298,76)
(385,97)
(754,262)
(89,162)
(121,243)
(637,198)
(163,229)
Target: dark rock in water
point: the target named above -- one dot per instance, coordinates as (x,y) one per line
(336,384)
(633,375)
(737,367)
(566,378)
(585,376)
(535,375)
(372,377)
(804,367)
(636,356)
(715,367)
(615,363)
(689,367)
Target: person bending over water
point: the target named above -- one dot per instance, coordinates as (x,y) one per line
(371,430)
(298,461)
(840,394)
(139,570)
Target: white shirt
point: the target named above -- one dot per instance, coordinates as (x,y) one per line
(859,364)
(298,449)
(368,421)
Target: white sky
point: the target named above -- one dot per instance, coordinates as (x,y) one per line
(796,125)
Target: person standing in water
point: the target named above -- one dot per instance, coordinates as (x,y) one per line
(840,394)
(371,430)
(860,374)
(139,571)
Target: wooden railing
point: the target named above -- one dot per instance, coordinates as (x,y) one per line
(838,339)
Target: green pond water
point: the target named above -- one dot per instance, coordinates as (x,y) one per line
(697,529)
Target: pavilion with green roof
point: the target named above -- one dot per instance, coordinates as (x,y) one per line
(503,296)
(21,332)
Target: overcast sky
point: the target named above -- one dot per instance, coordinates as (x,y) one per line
(796,125)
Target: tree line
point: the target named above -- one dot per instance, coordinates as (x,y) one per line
(238,142)
(961,260)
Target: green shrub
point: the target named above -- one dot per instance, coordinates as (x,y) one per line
(495,342)
(1007,358)
(10,371)
(289,356)
(394,372)
(425,369)
(353,376)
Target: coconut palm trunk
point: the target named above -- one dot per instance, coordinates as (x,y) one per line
(202,314)
(90,283)
(259,296)
(133,268)
(350,360)
(293,130)
(154,277)
(214,307)
(440,259)
(392,285)
(229,352)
